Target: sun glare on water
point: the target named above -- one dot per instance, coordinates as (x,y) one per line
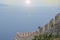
(28,1)
(17,2)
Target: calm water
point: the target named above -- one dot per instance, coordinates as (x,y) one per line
(13,20)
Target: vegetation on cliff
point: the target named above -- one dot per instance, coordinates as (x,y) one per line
(45,36)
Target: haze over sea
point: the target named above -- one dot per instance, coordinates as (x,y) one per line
(27,18)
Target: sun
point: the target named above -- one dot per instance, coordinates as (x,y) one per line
(28,1)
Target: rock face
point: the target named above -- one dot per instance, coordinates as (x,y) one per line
(57,24)
(25,36)
(52,27)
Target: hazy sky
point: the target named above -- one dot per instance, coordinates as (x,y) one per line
(19,16)
(32,2)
